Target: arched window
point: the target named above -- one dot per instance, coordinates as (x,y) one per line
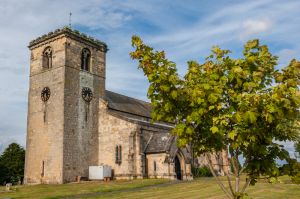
(47,58)
(85,59)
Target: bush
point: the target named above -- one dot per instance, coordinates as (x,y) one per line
(201,172)
(292,168)
(296,174)
(296,178)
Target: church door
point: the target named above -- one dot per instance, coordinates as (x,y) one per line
(177,168)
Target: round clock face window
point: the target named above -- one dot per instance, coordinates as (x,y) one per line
(87,94)
(45,95)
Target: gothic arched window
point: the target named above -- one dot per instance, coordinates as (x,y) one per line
(85,59)
(47,58)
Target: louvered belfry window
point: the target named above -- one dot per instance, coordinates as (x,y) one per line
(85,59)
(47,58)
(118,154)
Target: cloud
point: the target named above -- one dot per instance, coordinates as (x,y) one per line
(253,27)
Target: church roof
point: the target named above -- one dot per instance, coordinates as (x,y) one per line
(127,104)
(159,142)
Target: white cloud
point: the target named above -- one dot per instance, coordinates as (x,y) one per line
(252,27)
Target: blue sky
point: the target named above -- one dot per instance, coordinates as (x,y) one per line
(184,29)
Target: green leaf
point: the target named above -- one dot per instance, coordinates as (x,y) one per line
(252,138)
(214,129)
(232,134)
(251,116)
(212,98)
(238,117)
(211,107)
(165,88)
(174,94)
(206,86)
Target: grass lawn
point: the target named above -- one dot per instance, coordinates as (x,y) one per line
(150,188)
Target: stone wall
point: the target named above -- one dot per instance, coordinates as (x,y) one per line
(163,169)
(44,148)
(114,131)
(219,162)
(81,118)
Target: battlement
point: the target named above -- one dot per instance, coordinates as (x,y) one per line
(68,32)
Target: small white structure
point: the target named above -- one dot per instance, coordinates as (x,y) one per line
(8,186)
(99,172)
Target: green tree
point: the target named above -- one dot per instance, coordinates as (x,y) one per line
(12,164)
(241,105)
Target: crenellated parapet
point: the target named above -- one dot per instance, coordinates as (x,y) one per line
(71,33)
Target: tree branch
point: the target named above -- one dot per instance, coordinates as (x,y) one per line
(237,176)
(246,185)
(217,178)
(230,185)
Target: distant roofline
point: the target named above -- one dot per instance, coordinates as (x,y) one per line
(75,33)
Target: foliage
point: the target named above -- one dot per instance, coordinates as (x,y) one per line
(3,174)
(289,168)
(295,172)
(296,178)
(201,172)
(292,168)
(12,164)
(297,146)
(242,104)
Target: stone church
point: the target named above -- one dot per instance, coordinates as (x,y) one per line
(74,122)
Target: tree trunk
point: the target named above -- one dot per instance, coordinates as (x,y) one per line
(217,178)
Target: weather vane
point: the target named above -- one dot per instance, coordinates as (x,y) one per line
(70,19)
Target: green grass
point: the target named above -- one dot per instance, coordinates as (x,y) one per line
(64,190)
(151,188)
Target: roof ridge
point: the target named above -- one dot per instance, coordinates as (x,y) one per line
(129,97)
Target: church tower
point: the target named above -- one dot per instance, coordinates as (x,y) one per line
(67,78)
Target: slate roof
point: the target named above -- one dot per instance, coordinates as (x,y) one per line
(159,142)
(128,104)
(163,142)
